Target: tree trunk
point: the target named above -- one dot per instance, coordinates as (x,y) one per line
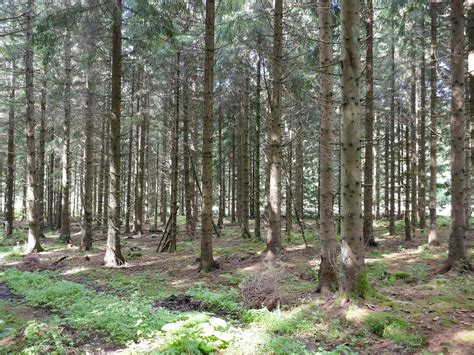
(140,180)
(65,233)
(41,156)
(369,130)
(188,177)
(174,160)
(327,274)
(470,35)
(377,168)
(244,161)
(233,212)
(352,249)
(457,254)
(413,125)
(421,136)
(92,25)
(10,186)
(257,233)
(391,218)
(274,245)
(207,262)
(102,174)
(220,221)
(113,254)
(33,244)
(407,182)
(128,206)
(164,172)
(289,180)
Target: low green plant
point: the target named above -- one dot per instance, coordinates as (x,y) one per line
(283,345)
(45,339)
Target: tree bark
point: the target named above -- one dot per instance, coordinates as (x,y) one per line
(352,249)
(457,254)
(10,186)
(65,233)
(244,161)
(207,262)
(413,125)
(91,83)
(369,131)
(33,244)
(220,221)
(421,135)
(188,177)
(41,156)
(274,246)
(113,254)
(327,272)
(391,217)
(257,233)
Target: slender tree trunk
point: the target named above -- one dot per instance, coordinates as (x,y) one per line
(352,249)
(164,171)
(41,156)
(174,160)
(391,218)
(421,137)
(188,177)
(233,212)
(257,232)
(274,245)
(102,167)
(51,182)
(33,244)
(207,262)
(369,130)
(377,169)
(91,83)
(10,186)
(289,180)
(128,206)
(470,35)
(457,254)
(220,221)
(244,161)
(113,254)
(407,182)
(327,274)
(413,125)
(66,144)
(140,181)
(107,164)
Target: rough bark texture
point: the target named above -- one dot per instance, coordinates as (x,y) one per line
(220,221)
(188,177)
(470,35)
(9,200)
(421,135)
(327,273)
(66,143)
(257,234)
(413,120)
(140,179)
(113,254)
(369,130)
(33,244)
(289,181)
(433,232)
(352,248)
(207,262)
(274,245)
(244,161)
(407,182)
(41,156)
(91,28)
(457,254)
(391,216)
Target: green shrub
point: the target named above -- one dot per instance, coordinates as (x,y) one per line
(283,345)
(45,338)
(218,301)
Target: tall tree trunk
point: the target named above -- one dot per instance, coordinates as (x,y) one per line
(421,137)
(470,35)
(244,161)
(391,218)
(174,160)
(369,130)
(41,156)
(140,180)
(377,168)
(457,254)
(327,274)
(207,262)
(257,233)
(113,254)
(233,212)
(188,177)
(274,245)
(66,144)
(10,186)
(164,172)
(33,244)
(107,167)
(220,221)
(407,182)
(352,249)
(102,174)
(91,29)
(289,180)
(413,125)
(51,182)
(128,205)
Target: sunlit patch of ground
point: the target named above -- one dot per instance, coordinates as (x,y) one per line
(432,313)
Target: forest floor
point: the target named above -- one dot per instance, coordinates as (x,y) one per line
(158,301)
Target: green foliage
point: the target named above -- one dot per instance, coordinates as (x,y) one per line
(362,286)
(390,327)
(45,338)
(225,300)
(283,345)
(86,309)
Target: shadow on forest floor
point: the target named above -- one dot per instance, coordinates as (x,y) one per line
(410,309)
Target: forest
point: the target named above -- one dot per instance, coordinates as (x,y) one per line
(237,176)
